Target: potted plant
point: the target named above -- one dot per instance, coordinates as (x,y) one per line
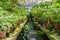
(46,17)
(2,32)
(58,17)
(58,31)
(56,21)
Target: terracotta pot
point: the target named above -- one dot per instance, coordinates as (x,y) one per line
(56,25)
(59,25)
(2,34)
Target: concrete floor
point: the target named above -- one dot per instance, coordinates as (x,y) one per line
(32,35)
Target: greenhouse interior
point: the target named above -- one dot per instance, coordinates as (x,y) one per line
(29,20)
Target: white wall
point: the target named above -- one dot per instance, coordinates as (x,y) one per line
(28,2)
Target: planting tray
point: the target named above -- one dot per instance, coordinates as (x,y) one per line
(16,32)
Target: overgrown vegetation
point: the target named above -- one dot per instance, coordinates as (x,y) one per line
(46,13)
(11,15)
